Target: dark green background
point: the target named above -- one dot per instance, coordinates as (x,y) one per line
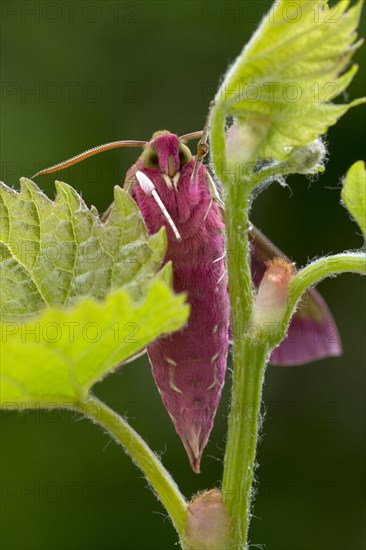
(137,67)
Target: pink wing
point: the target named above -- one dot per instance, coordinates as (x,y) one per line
(312,334)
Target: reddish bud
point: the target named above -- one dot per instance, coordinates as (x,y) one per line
(271,301)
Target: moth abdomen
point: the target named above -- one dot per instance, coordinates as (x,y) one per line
(189,366)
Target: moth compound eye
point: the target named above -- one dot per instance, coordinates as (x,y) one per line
(185,154)
(150,158)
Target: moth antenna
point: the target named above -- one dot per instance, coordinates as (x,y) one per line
(149,188)
(191,135)
(90,153)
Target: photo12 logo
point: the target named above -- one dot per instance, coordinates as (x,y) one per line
(70,12)
(69,92)
(69,331)
(251,11)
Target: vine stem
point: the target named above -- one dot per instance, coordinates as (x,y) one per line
(250,361)
(251,356)
(158,477)
(352,262)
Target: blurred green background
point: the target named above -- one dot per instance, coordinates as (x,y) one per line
(78,74)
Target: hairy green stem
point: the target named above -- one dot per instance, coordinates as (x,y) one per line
(158,477)
(237,197)
(351,262)
(238,252)
(249,366)
(273,171)
(249,357)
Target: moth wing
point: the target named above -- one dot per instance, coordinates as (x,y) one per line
(312,334)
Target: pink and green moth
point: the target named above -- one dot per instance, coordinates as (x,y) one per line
(175,189)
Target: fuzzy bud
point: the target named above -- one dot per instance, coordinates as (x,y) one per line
(243,139)
(271,300)
(308,159)
(208,525)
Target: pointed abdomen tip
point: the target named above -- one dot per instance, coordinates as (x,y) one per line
(196,464)
(194,448)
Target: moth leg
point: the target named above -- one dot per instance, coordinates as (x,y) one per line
(220,258)
(202,150)
(219,281)
(208,209)
(214,191)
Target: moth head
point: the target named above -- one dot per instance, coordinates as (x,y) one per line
(167,154)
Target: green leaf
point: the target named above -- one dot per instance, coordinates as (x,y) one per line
(354,193)
(280,87)
(55,358)
(78,296)
(54,252)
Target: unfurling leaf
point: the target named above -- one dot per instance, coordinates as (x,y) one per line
(280,88)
